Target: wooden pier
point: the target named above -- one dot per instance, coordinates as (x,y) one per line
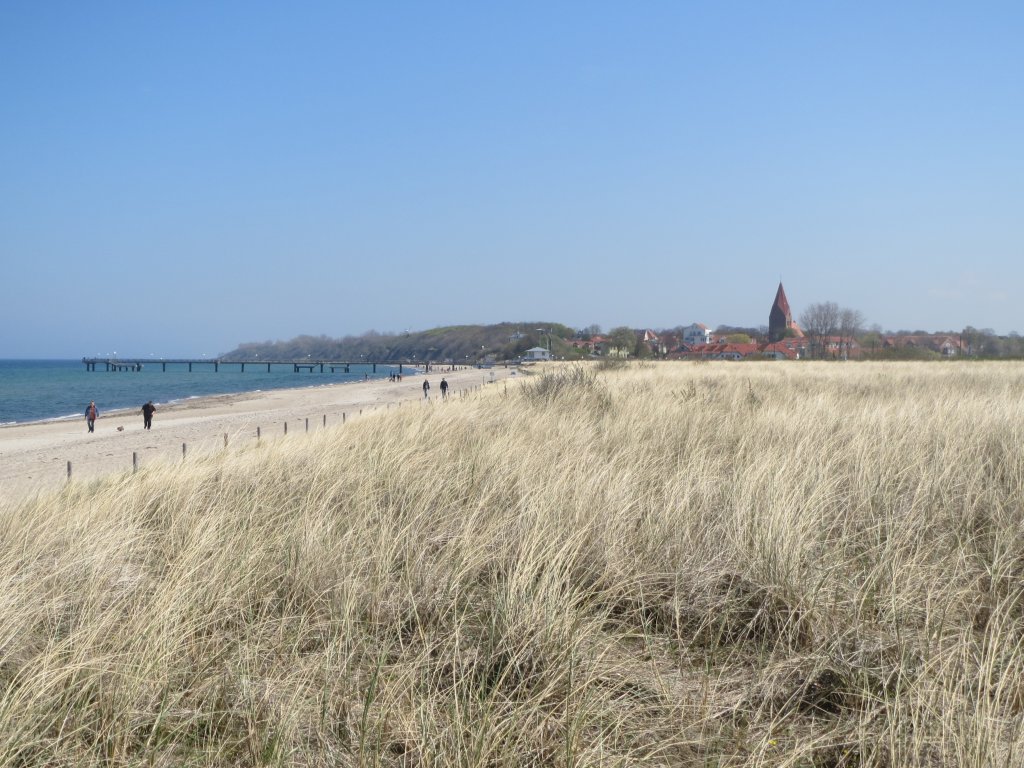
(137,364)
(297,366)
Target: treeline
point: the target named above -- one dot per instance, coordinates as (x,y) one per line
(470,344)
(984,344)
(454,344)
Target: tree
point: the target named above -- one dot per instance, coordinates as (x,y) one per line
(1014,345)
(729,330)
(851,322)
(738,338)
(819,321)
(970,337)
(827,323)
(871,342)
(621,341)
(641,349)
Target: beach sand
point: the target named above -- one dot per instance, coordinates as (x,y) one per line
(34,457)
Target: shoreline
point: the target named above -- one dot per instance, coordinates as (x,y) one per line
(34,455)
(196,398)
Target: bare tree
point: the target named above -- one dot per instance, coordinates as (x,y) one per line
(819,321)
(827,324)
(851,323)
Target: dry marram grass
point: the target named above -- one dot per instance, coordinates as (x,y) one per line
(732,565)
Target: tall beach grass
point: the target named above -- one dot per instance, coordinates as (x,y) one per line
(674,564)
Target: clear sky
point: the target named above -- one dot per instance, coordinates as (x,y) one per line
(180,177)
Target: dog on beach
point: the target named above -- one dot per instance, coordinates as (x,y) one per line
(120,429)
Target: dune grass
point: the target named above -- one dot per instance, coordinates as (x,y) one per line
(679,564)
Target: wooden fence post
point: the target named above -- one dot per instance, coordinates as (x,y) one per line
(135,462)
(69,470)
(183,450)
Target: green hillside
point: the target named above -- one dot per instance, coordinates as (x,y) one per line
(455,344)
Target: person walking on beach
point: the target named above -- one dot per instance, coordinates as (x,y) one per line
(426,389)
(444,389)
(147,414)
(91,414)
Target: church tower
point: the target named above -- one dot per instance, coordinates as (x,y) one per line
(780,318)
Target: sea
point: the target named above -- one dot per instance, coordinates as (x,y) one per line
(45,390)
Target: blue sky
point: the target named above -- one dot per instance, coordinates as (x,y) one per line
(178,178)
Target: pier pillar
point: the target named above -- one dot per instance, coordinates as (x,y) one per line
(190,367)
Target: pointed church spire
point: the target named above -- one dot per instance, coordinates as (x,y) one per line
(779,318)
(781,302)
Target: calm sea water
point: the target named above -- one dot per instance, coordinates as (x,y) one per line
(35,390)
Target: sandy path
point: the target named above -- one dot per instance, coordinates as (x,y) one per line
(35,456)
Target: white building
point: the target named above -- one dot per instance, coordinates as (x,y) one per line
(698,333)
(536,354)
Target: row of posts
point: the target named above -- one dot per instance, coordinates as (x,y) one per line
(184,446)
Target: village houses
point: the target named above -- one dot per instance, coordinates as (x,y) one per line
(786,340)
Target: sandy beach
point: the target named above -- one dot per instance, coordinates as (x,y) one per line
(34,457)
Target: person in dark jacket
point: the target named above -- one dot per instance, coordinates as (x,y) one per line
(147,414)
(91,414)
(444,389)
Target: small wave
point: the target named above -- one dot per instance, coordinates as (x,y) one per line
(46,420)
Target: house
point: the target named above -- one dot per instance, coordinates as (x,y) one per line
(947,346)
(943,343)
(591,345)
(667,344)
(696,333)
(649,339)
(717,351)
(737,351)
(536,354)
(832,347)
(786,349)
